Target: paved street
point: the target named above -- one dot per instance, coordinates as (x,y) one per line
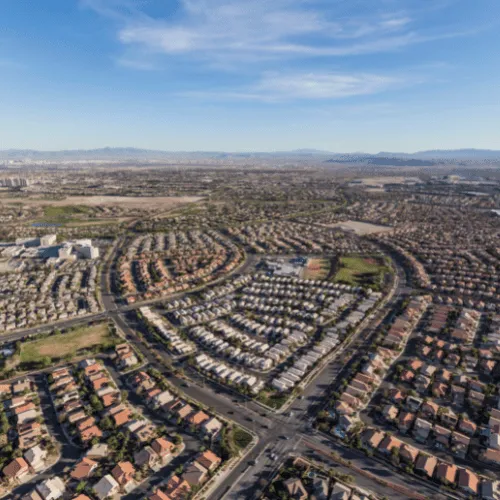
(278,434)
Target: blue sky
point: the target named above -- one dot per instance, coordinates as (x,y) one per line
(252,75)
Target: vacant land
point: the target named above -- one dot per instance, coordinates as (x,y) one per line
(362,228)
(131,202)
(52,349)
(316,269)
(361,271)
(387,180)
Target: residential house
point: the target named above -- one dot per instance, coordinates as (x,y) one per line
(51,489)
(405,421)
(421,430)
(468,481)
(460,444)
(408,453)
(490,490)
(98,451)
(295,488)
(209,460)
(163,448)
(36,458)
(177,488)
(429,409)
(84,469)
(197,418)
(441,437)
(413,403)
(106,487)
(90,433)
(184,411)
(16,469)
(320,488)
(212,427)
(426,464)
(446,473)
(123,473)
(371,438)
(32,495)
(388,444)
(146,456)
(390,412)
(467,426)
(340,492)
(195,474)
(491,456)
(159,495)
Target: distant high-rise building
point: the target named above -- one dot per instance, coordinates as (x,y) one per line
(14,182)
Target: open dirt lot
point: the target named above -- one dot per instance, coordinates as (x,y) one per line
(137,202)
(388,180)
(316,269)
(362,228)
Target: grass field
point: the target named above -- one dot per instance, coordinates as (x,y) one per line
(241,438)
(316,269)
(273,399)
(65,345)
(61,212)
(361,271)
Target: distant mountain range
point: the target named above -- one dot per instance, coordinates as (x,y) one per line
(421,158)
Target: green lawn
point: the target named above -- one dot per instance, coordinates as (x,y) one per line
(241,438)
(361,271)
(54,211)
(65,345)
(71,215)
(273,399)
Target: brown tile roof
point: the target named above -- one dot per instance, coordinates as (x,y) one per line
(177,488)
(159,495)
(85,424)
(184,411)
(83,469)
(123,472)
(408,453)
(468,480)
(446,472)
(388,443)
(426,463)
(197,418)
(90,433)
(122,417)
(16,468)
(208,459)
(92,369)
(110,399)
(162,446)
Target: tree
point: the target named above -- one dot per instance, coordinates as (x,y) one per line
(45,361)
(80,487)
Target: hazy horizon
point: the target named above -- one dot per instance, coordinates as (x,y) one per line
(250,75)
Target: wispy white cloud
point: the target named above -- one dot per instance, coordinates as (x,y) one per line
(324,85)
(254,30)
(274,87)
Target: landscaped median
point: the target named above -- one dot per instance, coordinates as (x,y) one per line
(241,442)
(230,441)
